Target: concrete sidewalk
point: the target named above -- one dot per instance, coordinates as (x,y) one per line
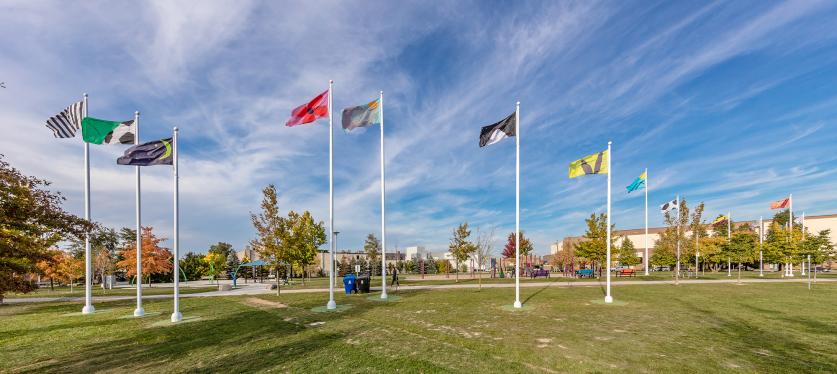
(259,289)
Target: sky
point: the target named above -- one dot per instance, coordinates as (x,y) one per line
(729,103)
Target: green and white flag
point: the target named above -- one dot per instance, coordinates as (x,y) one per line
(99,131)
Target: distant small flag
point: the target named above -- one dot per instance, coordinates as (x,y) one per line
(158,152)
(362,115)
(99,131)
(721,219)
(669,206)
(638,184)
(780,204)
(66,123)
(310,112)
(592,164)
(496,132)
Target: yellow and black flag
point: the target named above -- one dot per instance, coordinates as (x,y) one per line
(592,164)
(158,152)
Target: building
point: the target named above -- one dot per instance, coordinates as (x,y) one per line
(412,253)
(812,224)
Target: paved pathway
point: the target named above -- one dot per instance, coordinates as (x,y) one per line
(260,289)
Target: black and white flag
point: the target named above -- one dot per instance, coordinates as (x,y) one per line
(66,123)
(671,205)
(498,131)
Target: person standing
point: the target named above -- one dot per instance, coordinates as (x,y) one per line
(395,278)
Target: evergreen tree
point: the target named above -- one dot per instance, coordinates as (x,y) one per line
(232,264)
(430,265)
(372,246)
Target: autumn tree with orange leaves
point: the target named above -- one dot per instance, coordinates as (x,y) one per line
(155,259)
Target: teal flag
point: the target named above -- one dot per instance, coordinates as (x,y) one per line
(638,184)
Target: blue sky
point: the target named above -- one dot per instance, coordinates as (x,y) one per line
(730,103)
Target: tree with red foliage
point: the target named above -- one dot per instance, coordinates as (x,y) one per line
(525,246)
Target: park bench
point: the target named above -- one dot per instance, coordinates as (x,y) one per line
(582,273)
(540,273)
(626,273)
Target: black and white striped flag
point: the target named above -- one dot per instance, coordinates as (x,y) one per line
(66,123)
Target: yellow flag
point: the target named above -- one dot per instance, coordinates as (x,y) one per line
(592,164)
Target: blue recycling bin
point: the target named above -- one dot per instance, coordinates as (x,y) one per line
(349,283)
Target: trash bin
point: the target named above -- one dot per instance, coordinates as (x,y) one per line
(363,283)
(349,283)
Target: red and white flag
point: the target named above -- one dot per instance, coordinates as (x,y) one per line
(780,204)
(310,112)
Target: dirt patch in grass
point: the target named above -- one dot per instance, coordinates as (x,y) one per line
(262,303)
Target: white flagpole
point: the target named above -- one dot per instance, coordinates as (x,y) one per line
(139,311)
(88,261)
(729,240)
(789,268)
(761,244)
(646,220)
(608,297)
(383,210)
(331,303)
(176,316)
(517,303)
(677,269)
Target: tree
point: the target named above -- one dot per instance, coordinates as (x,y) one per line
(103,263)
(155,259)
(31,222)
(49,266)
(304,238)
(460,248)
(193,266)
(430,265)
(70,268)
(594,247)
(372,246)
(232,264)
(526,246)
(741,248)
(271,229)
(126,235)
(224,251)
(819,247)
(668,249)
(698,228)
(627,253)
(484,250)
(214,264)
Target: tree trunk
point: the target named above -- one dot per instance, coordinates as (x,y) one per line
(739,273)
(277,281)
(51,284)
(479,276)
(457,272)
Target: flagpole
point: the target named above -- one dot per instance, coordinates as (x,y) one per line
(176,316)
(517,303)
(331,303)
(646,220)
(761,244)
(789,268)
(139,311)
(383,210)
(608,297)
(803,238)
(729,236)
(88,261)
(677,269)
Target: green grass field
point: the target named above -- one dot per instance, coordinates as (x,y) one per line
(654,328)
(98,291)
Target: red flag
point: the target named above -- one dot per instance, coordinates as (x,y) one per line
(780,204)
(309,112)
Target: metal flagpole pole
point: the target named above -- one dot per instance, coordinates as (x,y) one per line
(729,240)
(139,311)
(803,238)
(383,210)
(176,316)
(608,298)
(517,303)
(88,261)
(331,303)
(677,269)
(646,220)
(761,246)
(789,268)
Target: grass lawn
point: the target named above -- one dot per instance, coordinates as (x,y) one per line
(415,280)
(98,291)
(653,328)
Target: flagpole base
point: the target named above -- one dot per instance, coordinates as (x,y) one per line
(331,305)
(139,312)
(383,295)
(517,304)
(88,309)
(608,299)
(176,317)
